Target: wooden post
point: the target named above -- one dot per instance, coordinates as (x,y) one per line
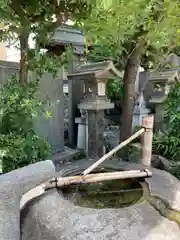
(146,140)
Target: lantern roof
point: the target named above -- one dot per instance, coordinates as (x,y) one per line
(164,76)
(99,70)
(65,34)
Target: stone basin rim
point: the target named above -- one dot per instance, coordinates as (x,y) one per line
(151,186)
(44,210)
(70,170)
(114,164)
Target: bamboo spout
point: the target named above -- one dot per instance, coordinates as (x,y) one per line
(113,151)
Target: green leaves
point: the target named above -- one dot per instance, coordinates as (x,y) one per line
(18,151)
(19,143)
(116,23)
(40,63)
(167,143)
(115,89)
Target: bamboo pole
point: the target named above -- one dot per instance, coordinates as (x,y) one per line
(146,140)
(98,177)
(113,151)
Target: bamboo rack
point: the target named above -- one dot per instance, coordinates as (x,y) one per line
(98,177)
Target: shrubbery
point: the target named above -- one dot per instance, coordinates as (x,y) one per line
(19,144)
(115,89)
(167,143)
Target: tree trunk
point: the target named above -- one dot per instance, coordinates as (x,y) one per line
(23,73)
(131,70)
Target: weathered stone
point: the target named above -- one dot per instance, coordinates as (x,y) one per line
(52,217)
(53,128)
(94,77)
(75,95)
(111,137)
(160,162)
(65,35)
(67,155)
(95,133)
(138,222)
(13,185)
(155,86)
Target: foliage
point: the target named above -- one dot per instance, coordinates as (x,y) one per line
(167,143)
(136,32)
(19,143)
(37,19)
(19,21)
(175,171)
(40,63)
(113,25)
(115,89)
(167,146)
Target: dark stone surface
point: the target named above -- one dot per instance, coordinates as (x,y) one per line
(75,94)
(95,133)
(53,128)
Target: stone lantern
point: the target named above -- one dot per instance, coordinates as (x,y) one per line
(161,84)
(95,77)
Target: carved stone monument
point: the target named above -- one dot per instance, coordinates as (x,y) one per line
(66,36)
(94,77)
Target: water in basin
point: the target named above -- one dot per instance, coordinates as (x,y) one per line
(107,194)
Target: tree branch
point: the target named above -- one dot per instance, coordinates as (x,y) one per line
(16,7)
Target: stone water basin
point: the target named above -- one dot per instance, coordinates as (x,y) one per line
(143,211)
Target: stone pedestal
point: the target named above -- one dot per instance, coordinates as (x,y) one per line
(95,126)
(82,132)
(95,133)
